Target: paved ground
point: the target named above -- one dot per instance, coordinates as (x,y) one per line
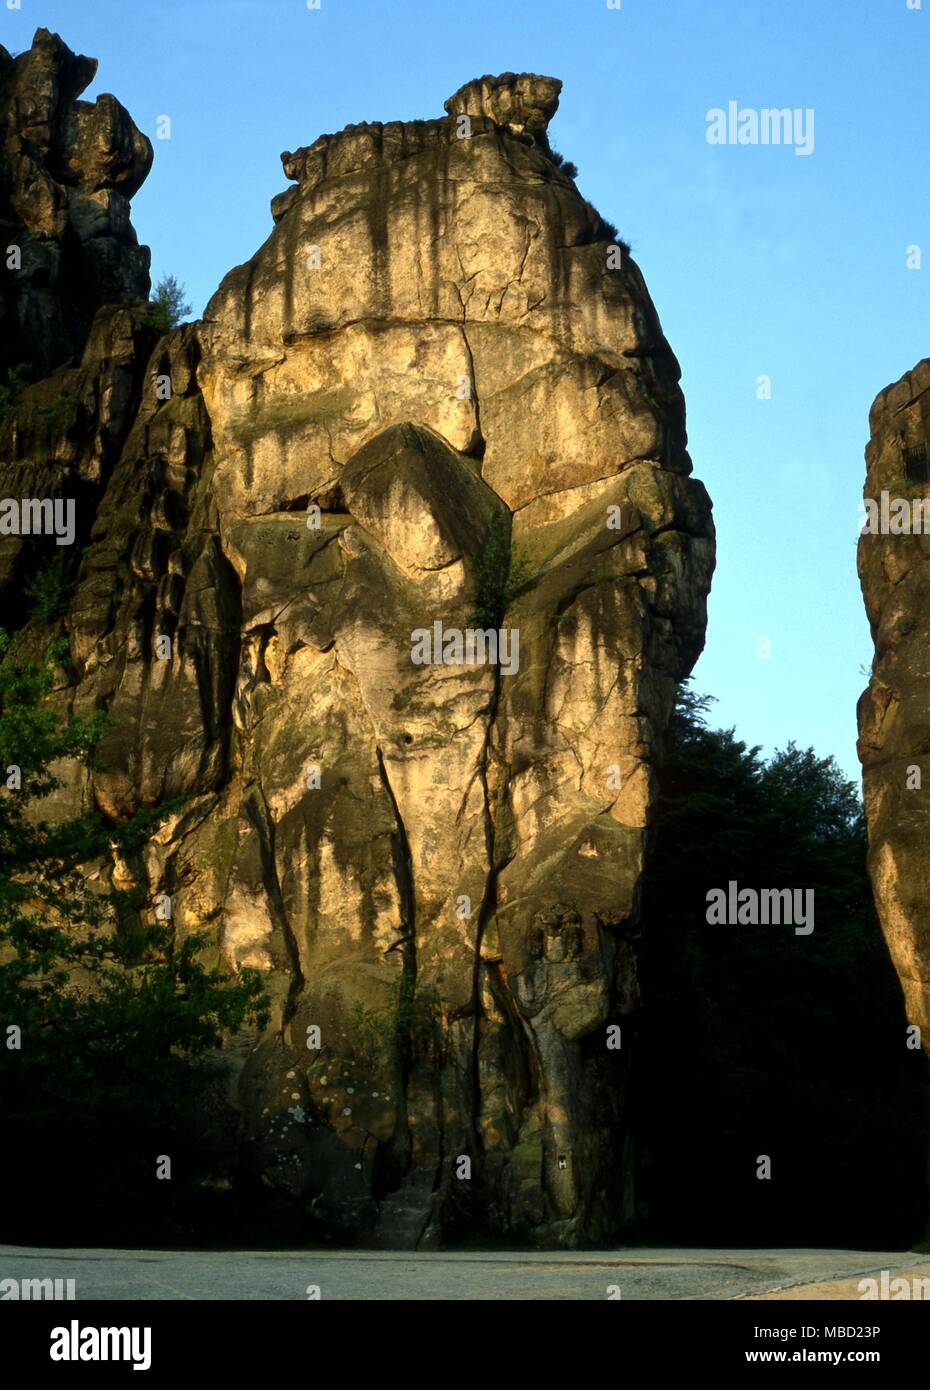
(639,1274)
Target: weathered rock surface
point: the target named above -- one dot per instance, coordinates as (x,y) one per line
(68,169)
(894,711)
(436,865)
(73,315)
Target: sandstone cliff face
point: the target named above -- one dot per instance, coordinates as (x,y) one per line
(438,354)
(894,712)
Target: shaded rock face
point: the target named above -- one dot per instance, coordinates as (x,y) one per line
(894,711)
(72,314)
(437,359)
(68,169)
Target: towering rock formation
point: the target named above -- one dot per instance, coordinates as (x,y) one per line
(439,365)
(894,711)
(72,276)
(68,169)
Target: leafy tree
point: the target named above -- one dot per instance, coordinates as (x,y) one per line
(757,1041)
(117,1023)
(167,306)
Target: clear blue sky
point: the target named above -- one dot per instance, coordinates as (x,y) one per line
(759,261)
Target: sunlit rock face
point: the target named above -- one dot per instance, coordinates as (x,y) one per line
(894,711)
(439,357)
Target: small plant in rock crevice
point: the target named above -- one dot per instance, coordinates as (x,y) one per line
(500,574)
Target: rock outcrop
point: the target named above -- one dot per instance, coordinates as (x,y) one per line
(439,367)
(68,169)
(894,711)
(73,286)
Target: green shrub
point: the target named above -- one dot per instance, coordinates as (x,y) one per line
(48,592)
(12,387)
(58,411)
(499,574)
(564,164)
(408,1025)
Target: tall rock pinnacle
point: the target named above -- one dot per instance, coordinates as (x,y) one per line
(894,710)
(68,169)
(435,407)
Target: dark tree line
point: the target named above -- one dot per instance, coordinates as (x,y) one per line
(756,1041)
(108,1023)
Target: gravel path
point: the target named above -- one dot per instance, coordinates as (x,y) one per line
(448,1275)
